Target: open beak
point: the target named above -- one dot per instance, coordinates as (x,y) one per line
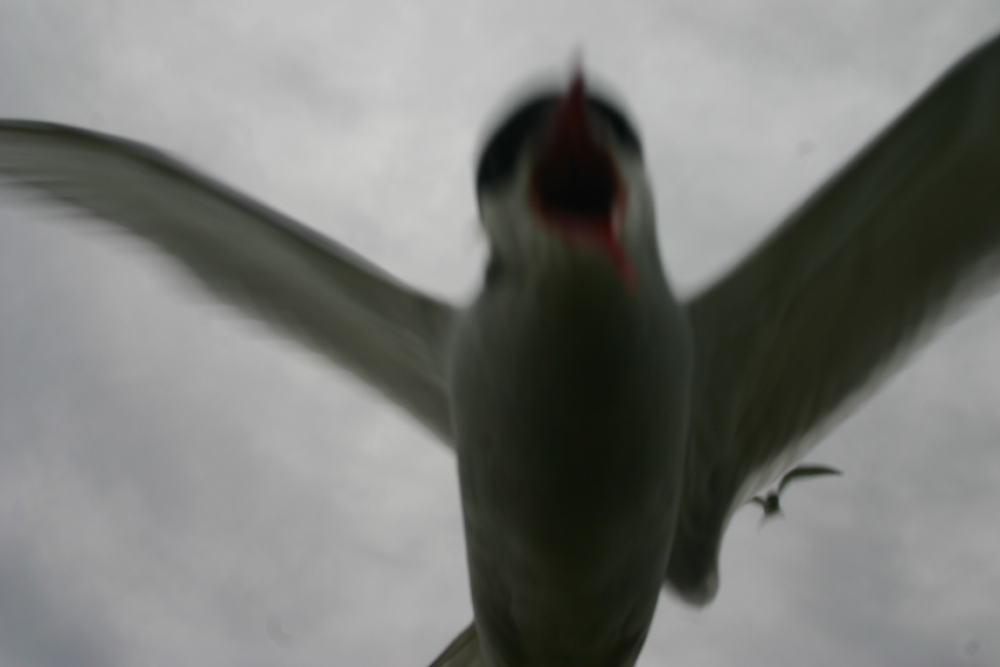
(576,189)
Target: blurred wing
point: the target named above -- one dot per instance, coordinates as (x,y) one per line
(805,471)
(840,290)
(248,254)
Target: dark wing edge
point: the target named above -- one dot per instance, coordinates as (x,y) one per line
(276,269)
(794,336)
(801,472)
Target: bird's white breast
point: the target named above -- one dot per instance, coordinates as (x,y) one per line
(570,400)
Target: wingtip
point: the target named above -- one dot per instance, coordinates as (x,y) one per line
(697,594)
(463,651)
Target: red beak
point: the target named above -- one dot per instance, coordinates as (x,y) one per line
(575,187)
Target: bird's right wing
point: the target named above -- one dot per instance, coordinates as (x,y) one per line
(834,296)
(275,268)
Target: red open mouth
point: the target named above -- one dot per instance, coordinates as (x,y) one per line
(575,186)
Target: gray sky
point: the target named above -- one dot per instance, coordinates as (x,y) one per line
(179,486)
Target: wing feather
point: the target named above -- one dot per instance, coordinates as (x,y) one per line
(835,296)
(273,267)
(801,472)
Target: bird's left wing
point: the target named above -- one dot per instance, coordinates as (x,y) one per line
(824,306)
(275,268)
(800,472)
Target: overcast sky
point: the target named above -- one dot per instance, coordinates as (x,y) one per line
(178,486)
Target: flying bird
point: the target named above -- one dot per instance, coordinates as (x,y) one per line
(771,503)
(605,430)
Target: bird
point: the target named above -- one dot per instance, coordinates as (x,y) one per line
(605,430)
(771,502)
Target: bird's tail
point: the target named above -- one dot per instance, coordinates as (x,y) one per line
(463,651)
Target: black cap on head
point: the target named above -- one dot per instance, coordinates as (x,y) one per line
(527,121)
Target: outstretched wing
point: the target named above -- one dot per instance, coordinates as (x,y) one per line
(805,471)
(835,295)
(250,255)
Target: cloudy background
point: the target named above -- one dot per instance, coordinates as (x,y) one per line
(178,486)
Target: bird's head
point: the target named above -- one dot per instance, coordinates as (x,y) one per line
(561,182)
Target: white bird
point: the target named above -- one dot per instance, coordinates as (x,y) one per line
(771,502)
(605,432)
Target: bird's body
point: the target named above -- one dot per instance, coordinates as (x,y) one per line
(569,381)
(569,445)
